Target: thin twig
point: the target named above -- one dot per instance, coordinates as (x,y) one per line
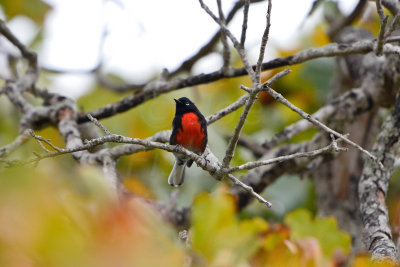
(230,150)
(249,190)
(41,139)
(98,124)
(235,42)
(244,24)
(208,47)
(26,53)
(42,146)
(19,141)
(226,54)
(355,100)
(244,88)
(393,26)
(229,109)
(381,35)
(278,76)
(264,41)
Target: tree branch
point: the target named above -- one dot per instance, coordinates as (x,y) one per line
(158,88)
(373,187)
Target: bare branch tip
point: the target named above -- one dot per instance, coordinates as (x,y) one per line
(248,90)
(98,124)
(249,190)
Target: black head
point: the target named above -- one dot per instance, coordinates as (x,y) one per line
(184,105)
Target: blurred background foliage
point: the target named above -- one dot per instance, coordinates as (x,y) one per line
(59,213)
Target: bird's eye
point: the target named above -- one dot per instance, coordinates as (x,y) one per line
(187,104)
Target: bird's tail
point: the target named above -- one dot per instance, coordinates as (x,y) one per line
(177,175)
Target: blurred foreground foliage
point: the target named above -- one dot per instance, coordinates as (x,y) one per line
(50,221)
(53,221)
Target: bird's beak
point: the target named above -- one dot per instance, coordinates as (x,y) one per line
(177,101)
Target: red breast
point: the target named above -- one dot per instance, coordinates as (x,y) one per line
(191,135)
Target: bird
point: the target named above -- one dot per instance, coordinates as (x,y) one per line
(189,129)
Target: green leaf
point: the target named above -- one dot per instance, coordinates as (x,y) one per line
(217,233)
(325,230)
(34,9)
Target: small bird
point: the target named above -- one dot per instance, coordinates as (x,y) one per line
(189,129)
